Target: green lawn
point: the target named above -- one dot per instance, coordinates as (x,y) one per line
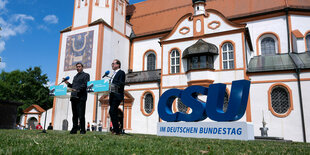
(61,142)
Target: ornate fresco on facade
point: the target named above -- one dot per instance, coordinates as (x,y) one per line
(79,48)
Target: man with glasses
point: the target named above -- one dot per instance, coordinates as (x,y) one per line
(78,98)
(116,93)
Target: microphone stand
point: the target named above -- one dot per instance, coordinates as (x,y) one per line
(122,129)
(108,125)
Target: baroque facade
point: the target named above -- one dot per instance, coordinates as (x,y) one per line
(166,44)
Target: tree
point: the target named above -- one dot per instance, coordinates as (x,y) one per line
(29,87)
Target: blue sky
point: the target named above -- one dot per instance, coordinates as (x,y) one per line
(30,33)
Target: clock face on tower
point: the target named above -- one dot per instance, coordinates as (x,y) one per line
(79,48)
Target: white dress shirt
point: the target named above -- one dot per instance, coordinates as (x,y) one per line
(114,74)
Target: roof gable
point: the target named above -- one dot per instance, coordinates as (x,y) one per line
(34,108)
(213,22)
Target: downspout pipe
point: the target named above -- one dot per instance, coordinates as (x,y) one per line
(288,31)
(297,69)
(159,93)
(301,104)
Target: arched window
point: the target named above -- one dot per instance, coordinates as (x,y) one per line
(280,99)
(151,61)
(148,103)
(175,61)
(228,56)
(268,46)
(308,41)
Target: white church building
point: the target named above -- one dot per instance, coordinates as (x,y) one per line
(164,44)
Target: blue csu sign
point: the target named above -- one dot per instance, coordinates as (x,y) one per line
(223,128)
(98,86)
(213,108)
(60,90)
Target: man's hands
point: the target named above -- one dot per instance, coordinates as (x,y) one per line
(65,81)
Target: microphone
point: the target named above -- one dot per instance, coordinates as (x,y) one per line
(106,73)
(65,79)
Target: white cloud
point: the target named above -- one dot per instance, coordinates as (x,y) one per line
(21,17)
(51,19)
(2,46)
(11,25)
(43,27)
(49,83)
(2,65)
(16,24)
(2,4)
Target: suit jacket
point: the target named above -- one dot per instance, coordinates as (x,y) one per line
(119,81)
(80,84)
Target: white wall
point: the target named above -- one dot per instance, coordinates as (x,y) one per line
(298,22)
(185,23)
(140,47)
(141,123)
(115,46)
(62,112)
(102,11)
(305,85)
(276,25)
(48,118)
(224,25)
(81,14)
(288,127)
(128,29)
(119,20)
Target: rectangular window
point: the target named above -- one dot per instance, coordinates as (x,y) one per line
(231,64)
(225,65)
(195,61)
(174,61)
(177,69)
(231,55)
(210,62)
(228,56)
(172,69)
(203,61)
(200,62)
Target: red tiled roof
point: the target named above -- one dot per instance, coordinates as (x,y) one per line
(154,16)
(37,107)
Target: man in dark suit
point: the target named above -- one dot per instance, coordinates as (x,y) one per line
(78,98)
(116,93)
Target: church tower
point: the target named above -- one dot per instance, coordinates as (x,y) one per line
(113,12)
(199,7)
(199,15)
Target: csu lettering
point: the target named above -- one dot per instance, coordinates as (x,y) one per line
(213,108)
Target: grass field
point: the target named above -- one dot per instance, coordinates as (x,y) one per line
(61,142)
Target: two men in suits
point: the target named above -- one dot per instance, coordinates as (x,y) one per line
(116,93)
